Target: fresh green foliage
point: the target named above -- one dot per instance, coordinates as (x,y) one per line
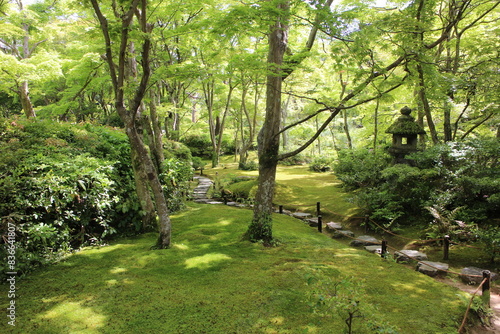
(360,168)
(459,178)
(63,186)
(211,281)
(321,164)
(175,179)
(250,165)
(490,237)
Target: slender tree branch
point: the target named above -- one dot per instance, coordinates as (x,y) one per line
(476,126)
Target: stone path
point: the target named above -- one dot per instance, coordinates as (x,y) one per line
(201,190)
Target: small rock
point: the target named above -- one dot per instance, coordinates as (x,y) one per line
(407,254)
(365,240)
(342,234)
(468,273)
(331,226)
(432,268)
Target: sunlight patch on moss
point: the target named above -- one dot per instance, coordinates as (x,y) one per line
(111,282)
(118,270)
(206,261)
(76,318)
(180,246)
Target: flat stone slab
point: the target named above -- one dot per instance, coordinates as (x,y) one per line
(202,200)
(365,240)
(467,275)
(215,202)
(432,268)
(331,226)
(301,215)
(407,254)
(376,249)
(342,234)
(233,203)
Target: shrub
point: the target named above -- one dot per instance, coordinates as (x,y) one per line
(250,165)
(360,168)
(321,165)
(64,186)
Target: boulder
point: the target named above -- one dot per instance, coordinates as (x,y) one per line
(474,275)
(432,268)
(342,234)
(365,240)
(331,226)
(407,254)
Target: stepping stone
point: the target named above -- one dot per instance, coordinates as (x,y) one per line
(342,234)
(365,240)
(215,202)
(376,249)
(233,203)
(202,200)
(407,254)
(313,222)
(331,226)
(475,272)
(301,215)
(432,268)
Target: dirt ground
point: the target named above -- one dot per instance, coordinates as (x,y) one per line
(494,327)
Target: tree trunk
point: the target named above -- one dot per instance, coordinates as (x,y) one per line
(268,138)
(143,193)
(425,104)
(24,97)
(164,224)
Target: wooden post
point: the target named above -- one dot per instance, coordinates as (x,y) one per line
(320,224)
(446,246)
(384,249)
(281,209)
(367,221)
(486,288)
(318,209)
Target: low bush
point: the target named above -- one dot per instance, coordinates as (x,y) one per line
(64,186)
(461,175)
(321,165)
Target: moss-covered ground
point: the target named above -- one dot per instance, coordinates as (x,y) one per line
(210,281)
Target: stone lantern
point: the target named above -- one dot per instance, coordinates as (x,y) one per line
(404,136)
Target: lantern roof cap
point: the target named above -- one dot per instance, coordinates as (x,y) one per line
(405,124)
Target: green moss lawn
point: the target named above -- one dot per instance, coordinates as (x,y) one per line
(211,281)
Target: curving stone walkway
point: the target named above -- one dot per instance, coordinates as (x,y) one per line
(201,190)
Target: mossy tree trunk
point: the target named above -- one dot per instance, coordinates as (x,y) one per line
(118,72)
(268,138)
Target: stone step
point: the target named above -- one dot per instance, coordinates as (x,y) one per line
(407,255)
(365,240)
(331,226)
(301,215)
(342,234)
(432,268)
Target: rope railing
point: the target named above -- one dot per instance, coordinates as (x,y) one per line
(398,235)
(464,320)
